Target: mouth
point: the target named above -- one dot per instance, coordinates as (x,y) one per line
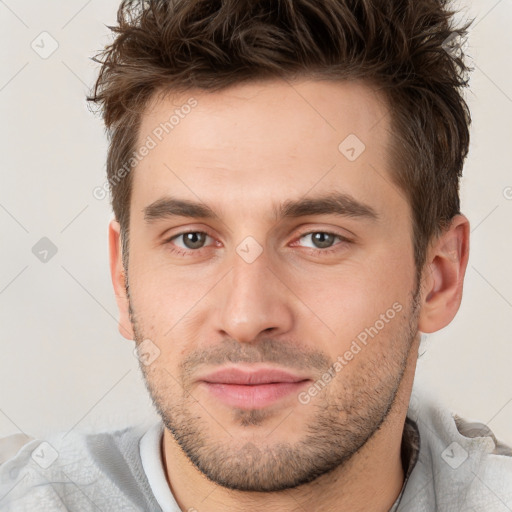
(252,389)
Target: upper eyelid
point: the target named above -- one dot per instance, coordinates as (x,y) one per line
(185,232)
(345,233)
(327,232)
(182,233)
(295,239)
(304,233)
(342,239)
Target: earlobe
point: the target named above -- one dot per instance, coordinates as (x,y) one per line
(443,276)
(117,274)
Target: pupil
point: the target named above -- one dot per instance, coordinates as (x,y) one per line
(194,240)
(323,240)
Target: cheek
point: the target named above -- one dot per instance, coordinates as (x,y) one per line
(165,301)
(353,297)
(161,290)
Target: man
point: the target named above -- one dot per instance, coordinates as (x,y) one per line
(284,178)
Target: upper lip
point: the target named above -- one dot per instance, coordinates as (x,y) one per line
(251,377)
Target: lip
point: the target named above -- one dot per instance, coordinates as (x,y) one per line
(251,376)
(252,389)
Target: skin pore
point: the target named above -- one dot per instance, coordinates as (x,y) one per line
(293,250)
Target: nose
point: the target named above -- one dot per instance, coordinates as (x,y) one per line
(252,300)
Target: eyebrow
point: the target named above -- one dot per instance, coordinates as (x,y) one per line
(331,204)
(167,207)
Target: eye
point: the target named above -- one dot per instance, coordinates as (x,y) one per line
(321,239)
(191,240)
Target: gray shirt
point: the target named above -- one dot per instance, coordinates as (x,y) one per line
(450,465)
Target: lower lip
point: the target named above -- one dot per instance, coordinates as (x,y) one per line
(253,396)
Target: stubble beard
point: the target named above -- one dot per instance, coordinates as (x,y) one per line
(347,413)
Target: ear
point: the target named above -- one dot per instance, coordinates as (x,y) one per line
(443,276)
(118,276)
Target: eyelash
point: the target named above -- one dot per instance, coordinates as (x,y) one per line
(184,252)
(334,248)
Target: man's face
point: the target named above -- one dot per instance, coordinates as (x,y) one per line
(271,277)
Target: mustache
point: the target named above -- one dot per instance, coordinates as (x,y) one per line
(267,350)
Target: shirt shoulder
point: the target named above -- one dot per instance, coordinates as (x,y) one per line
(461,464)
(492,482)
(76,471)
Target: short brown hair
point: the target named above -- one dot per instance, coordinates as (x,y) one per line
(401,46)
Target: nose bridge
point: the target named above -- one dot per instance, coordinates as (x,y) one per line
(253,299)
(250,280)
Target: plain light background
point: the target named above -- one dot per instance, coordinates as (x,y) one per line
(63,364)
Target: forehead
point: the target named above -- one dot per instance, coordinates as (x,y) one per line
(271,139)
(298,111)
